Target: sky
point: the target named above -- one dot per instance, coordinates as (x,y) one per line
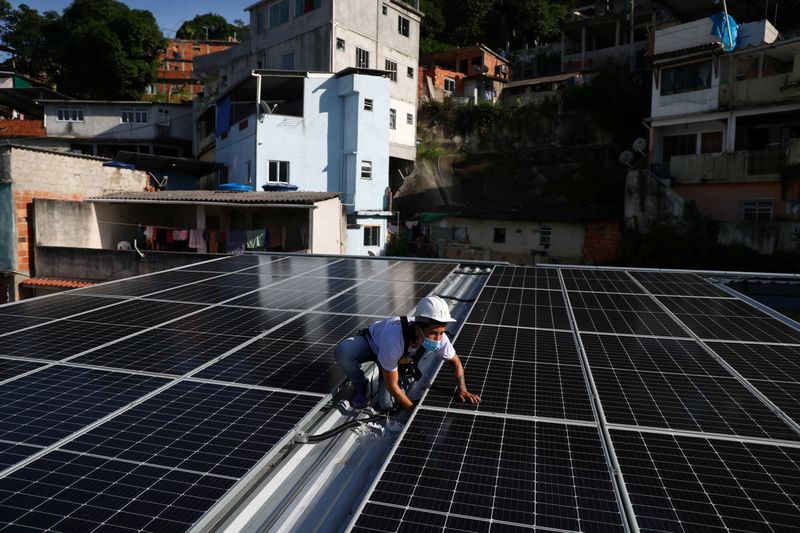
(169,14)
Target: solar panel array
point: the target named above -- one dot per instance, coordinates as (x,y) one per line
(612,400)
(138,405)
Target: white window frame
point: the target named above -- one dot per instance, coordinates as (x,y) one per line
(340,44)
(372,235)
(410,119)
(69,114)
(452,83)
(362,58)
(403,26)
(131,115)
(366,170)
(757,209)
(275,17)
(392,119)
(410,72)
(391,68)
(278,171)
(545,236)
(248,165)
(164,117)
(369,104)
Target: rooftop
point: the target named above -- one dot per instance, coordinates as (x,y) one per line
(244,198)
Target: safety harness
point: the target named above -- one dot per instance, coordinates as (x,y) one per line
(407,367)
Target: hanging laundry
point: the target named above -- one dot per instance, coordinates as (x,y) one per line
(223,242)
(196,239)
(213,242)
(161,238)
(255,239)
(275,239)
(236,241)
(182,235)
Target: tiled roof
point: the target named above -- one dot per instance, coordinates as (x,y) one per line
(252,198)
(56,283)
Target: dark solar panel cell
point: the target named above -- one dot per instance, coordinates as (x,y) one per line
(539,346)
(249,281)
(524,278)
(163,350)
(628,322)
(785,395)
(520,308)
(677,289)
(233,263)
(675,278)
(681,402)
(695,484)
(322,328)
(417,272)
(761,361)
(62,339)
(210,294)
(650,354)
(353,269)
(232,321)
(10,368)
(615,302)
(599,281)
(142,313)
(131,288)
(11,454)
(202,427)
(180,277)
(319,285)
(356,302)
(67,492)
(292,266)
(12,323)
(516,387)
(741,328)
(48,405)
(486,468)
(57,306)
(290,365)
(711,307)
(279,299)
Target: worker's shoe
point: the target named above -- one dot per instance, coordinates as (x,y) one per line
(359,399)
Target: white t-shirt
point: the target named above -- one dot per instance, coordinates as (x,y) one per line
(386,340)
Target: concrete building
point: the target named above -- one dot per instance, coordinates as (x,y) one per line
(103,128)
(176,81)
(470,74)
(27,174)
(315,132)
(331,36)
(538,91)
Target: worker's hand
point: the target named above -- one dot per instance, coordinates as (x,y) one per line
(466,396)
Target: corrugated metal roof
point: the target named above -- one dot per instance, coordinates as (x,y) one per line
(251,198)
(545,79)
(57,283)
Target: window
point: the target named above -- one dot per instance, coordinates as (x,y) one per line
(287,61)
(403,26)
(679,145)
(544,236)
(392,119)
(391,66)
(372,235)
(410,118)
(366,170)
(450,85)
(163,117)
(134,116)
(302,7)
(499,235)
(340,44)
(224,80)
(69,114)
(460,234)
(410,72)
(278,171)
(757,210)
(385,9)
(711,142)
(278,13)
(259,23)
(686,78)
(249,171)
(368,104)
(362,58)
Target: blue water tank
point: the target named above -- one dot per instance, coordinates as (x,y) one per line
(235,187)
(277,187)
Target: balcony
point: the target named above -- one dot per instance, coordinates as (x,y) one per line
(777,89)
(743,166)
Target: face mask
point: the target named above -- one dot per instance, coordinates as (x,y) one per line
(431,345)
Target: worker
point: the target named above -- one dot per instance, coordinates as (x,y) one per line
(396,339)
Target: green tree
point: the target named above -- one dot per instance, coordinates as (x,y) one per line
(218,28)
(98,49)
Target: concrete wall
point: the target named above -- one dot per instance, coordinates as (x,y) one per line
(66,223)
(687,102)
(763,237)
(325,147)
(684,36)
(105,120)
(647,199)
(723,201)
(355,236)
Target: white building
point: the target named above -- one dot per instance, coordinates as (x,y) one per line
(330,36)
(103,128)
(318,132)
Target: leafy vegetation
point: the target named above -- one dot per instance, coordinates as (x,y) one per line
(213,27)
(121,43)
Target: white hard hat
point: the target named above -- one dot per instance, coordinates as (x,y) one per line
(433,308)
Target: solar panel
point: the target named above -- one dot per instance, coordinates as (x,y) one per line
(419,272)
(163,351)
(679,483)
(12,453)
(732,328)
(599,281)
(12,323)
(521,308)
(774,362)
(201,427)
(10,368)
(678,284)
(234,263)
(250,281)
(379,298)
(50,404)
(291,365)
(319,327)
(524,278)
(71,492)
(210,294)
(231,321)
(473,468)
(58,306)
(354,269)
(711,306)
(59,340)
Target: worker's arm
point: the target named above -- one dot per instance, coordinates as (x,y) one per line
(390,378)
(458,372)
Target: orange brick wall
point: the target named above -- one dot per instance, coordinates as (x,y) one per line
(723,201)
(602,242)
(438,74)
(21,128)
(23,201)
(169,77)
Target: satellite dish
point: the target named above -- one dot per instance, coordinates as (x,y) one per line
(265,109)
(639,145)
(484,68)
(626,158)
